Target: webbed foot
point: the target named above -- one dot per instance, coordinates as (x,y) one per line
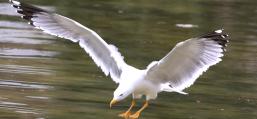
(125,115)
(135,116)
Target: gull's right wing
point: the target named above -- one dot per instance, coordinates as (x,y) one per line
(106,56)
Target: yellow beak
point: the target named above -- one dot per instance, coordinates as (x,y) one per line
(113,102)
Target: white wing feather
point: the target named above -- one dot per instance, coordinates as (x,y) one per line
(104,55)
(187,61)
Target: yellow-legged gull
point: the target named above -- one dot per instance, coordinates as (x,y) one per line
(176,71)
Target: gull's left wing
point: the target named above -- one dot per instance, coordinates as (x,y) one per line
(187,61)
(106,56)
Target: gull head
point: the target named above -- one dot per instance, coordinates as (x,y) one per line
(120,93)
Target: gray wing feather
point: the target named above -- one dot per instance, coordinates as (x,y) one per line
(188,60)
(104,55)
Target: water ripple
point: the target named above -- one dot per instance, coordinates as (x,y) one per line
(38,97)
(29,41)
(23,33)
(16,25)
(21,67)
(18,107)
(24,70)
(5,9)
(186,25)
(23,85)
(11,103)
(27,52)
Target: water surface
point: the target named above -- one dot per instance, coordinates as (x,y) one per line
(44,77)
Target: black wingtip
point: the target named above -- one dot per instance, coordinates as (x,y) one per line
(26,10)
(219,36)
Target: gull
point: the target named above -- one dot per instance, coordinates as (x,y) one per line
(178,70)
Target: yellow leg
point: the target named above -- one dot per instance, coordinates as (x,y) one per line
(127,113)
(137,114)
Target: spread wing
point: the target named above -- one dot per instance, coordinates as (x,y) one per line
(188,60)
(104,55)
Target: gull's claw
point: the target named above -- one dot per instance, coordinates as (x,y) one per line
(125,115)
(135,116)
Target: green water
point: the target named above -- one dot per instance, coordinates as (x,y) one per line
(44,77)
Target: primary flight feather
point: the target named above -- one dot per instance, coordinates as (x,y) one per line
(176,71)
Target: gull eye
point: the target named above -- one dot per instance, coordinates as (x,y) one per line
(121,95)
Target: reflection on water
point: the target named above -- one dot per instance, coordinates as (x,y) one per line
(15,25)
(20,45)
(26,52)
(45,77)
(186,25)
(22,85)
(22,33)
(5,10)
